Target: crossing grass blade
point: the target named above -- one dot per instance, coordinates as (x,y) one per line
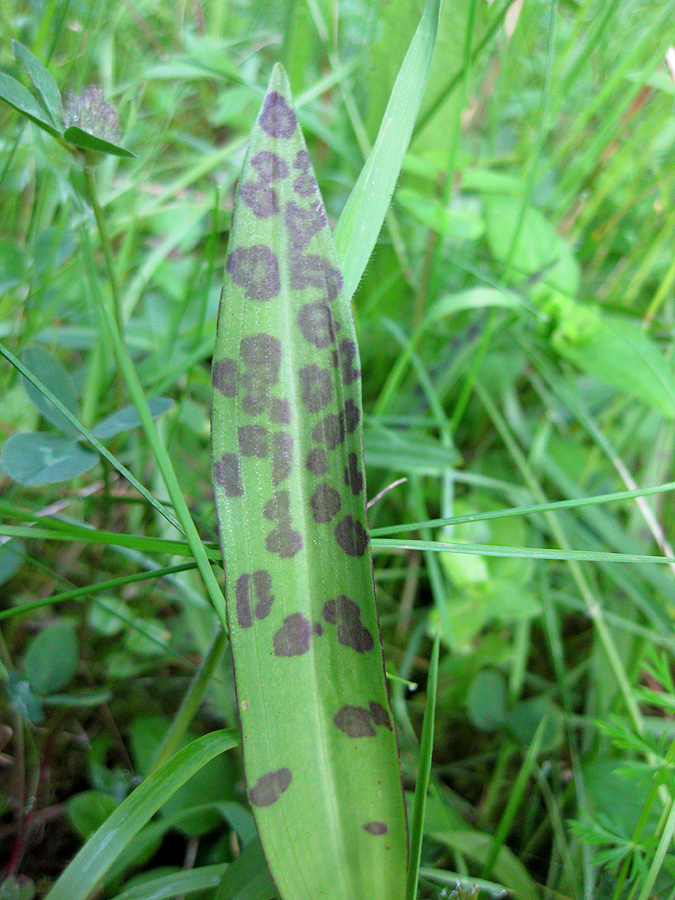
(319,746)
(84,873)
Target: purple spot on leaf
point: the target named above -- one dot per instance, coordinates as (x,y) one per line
(351,632)
(244,612)
(379,714)
(293,638)
(344,357)
(354,721)
(261,359)
(329,431)
(261,198)
(282,456)
(352,416)
(315,271)
(253,441)
(317,387)
(226,474)
(262,583)
(351,536)
(305,184)
(225,377)
(279,507)
(268,788)
(256,269)
(375,828)
(353,476)
(317,461)
(325,503)
(284,541)
(317,324)
(277,119)
(280,411)
(303,224)
(269,166)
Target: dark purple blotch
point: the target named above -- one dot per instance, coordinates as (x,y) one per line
(379,714)
(293,638)
(256,269)
(303,224)
(312,270)
(227,475)
(261,359)
(282,456)
(317,324)
(277,119)
(316,386)
(225,377)
(284,541)
(317,628)
(253,441)
(351,632)
(354,721)
(351,416)
(280,411)
(344,357)
(317,461)
(325,503)
(351,536)
(244,611)
(260,197)
(278,507)
(268,788)
(353,476)
(269,166)
(329,431)
(262,353)
(305,184)
(262,584)
(302,161)
(375,828)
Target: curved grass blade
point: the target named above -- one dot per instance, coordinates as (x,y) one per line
(176,884)
(424,771)
(361,219)
(319,748)
(83,874)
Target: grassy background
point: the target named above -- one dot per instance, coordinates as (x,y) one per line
(515,324)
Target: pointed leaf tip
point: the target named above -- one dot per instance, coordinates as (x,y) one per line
(279,82)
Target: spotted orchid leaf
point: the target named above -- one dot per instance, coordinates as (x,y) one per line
(320,751)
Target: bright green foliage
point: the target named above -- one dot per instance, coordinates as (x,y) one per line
(319,746)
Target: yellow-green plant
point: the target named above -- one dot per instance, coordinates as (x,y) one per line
(319,745)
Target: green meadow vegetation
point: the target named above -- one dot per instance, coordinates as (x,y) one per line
(500,182)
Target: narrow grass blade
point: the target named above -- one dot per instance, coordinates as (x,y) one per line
(86,433)
(176,884)
(364,212)
(424,769)
(83,874)
(319,749)
(515,798)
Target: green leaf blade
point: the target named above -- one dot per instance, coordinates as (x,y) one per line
(319,748)
(361,219)
(14,93)
(86,141)
(43,82)
(100,852)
